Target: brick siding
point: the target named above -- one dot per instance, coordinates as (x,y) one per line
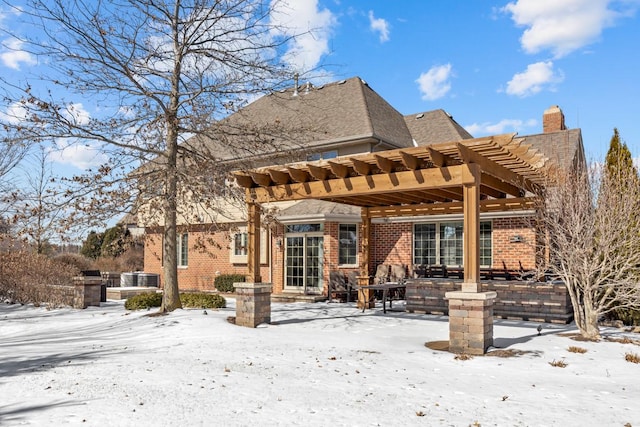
(392,243)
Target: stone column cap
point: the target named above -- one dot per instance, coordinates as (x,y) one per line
(480,296)
(247,285)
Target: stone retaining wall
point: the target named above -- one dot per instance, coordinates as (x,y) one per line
(539,302)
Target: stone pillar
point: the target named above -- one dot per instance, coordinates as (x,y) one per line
(470,321)
(87,291)
(253,303)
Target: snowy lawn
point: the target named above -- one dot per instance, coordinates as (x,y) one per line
(315,365)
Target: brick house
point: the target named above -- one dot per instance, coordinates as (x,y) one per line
(311,238)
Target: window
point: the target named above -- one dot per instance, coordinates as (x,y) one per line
(424,246)
(486,258)
(183,249)
(304,228)
(323,156)
(451,243)
(441,243)
(239,246)
(347,244)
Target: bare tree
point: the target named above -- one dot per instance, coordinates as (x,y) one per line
(12,151)
(164,74)
(591,220)
(36,207)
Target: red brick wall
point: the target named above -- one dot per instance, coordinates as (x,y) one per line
(205,260)
(504,229)
(392,244)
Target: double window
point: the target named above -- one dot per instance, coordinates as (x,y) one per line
(441,243)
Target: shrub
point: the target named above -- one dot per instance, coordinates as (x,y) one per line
(558,363)
(77,261)
(224,282)
(188,300)
(628,316)
(574,349)
(27,277)
(143,301)
(202,300)
(632,357)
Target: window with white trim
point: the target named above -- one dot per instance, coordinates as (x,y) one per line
(348,244)
(182,246)
(239,245)
(442,243)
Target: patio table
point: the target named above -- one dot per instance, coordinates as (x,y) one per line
(387,289)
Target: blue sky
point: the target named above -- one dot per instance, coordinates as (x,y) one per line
(495,66)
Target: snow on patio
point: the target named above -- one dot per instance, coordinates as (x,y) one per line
(315,365)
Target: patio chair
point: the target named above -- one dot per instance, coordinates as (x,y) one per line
(420,271)
(382,274)
(398,274)
(352,284)
(337,285)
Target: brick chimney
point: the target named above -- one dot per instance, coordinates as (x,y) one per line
(553,120)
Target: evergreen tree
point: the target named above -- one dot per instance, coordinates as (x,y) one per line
(115,241)
(92,247)
(619,161)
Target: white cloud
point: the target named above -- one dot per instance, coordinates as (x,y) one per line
(14,114)
(561,26)
(535,78)
(435,84)
(81,156)
(77,114)
(503,126)
(13,55)
(313,27)
(380,25)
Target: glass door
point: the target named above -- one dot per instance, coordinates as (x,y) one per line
(303,263)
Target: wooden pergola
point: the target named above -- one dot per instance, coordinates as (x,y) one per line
(495,173)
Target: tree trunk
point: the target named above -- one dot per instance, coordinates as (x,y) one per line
(587,323)
(171,293)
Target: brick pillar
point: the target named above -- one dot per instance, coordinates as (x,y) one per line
(253,303)
(470,321)
(87,291)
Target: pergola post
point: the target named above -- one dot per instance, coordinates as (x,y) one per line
(253,243)
(365,299)
(471,230)
(253,298)
(471,311)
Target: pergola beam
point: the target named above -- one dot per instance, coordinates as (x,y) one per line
(422,179)
(492,168)
(491,205)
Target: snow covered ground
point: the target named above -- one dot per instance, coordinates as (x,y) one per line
(315,365)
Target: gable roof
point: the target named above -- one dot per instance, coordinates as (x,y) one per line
(431,127)
(562,148)
(317,117)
